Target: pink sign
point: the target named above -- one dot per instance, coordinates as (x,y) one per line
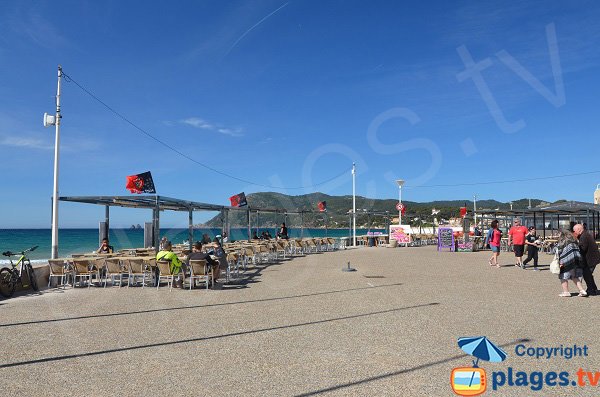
(398,234)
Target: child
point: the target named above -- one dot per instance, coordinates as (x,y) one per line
(531,241)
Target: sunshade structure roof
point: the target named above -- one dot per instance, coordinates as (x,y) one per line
(150,202)
(563,208)
(582,211)
(158,203)
(169,203)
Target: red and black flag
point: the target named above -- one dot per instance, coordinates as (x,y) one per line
(239,200)
(322,205)
(141,183)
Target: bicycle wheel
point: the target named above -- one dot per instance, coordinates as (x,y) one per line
(31,277)
(7,284)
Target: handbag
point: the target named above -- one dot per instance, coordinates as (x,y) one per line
(554,265)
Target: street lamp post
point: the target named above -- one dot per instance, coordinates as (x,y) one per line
(48,121)
(353,205)
(400,182)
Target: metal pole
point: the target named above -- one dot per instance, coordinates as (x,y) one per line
(587,218)
(156,226)
(400,200)
(354,204)
(107,219)
(544,222)
(54,254)
(249,226)
(190,228)
(475,209)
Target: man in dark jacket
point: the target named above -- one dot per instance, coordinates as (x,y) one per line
(591,256)
(197,254)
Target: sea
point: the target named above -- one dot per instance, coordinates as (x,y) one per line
(72,241)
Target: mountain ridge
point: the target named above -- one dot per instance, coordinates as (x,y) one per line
(338,207)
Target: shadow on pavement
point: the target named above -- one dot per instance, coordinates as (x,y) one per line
(198,306)
(400,372)
(207,338)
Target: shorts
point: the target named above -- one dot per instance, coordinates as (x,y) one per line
(519,250)
(494,248)
(568,275)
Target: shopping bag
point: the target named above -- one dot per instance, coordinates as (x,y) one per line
(554,265)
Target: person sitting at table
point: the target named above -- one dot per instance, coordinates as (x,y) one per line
(105,248)
(167,254)
(205,239)
(221,256)
(254,235)
(197,254)
(161,244)
(283,232)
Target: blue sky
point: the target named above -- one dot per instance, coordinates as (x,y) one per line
(289,94)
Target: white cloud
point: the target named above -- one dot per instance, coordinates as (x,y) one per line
(23,142)
(230,132)
(200,123)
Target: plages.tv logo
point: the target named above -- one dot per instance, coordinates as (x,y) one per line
(472,381)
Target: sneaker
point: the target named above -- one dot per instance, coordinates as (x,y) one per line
(583,294)
(535,269)
(517,265)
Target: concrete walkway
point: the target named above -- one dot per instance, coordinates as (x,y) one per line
(298,328)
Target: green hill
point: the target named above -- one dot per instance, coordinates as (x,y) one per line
(339,206)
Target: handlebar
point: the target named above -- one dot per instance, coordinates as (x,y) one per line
(9,253)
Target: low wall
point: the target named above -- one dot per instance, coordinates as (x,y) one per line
(41,273)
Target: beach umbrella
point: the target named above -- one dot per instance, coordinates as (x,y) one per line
(482,348)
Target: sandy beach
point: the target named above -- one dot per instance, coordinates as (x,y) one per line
(300,327)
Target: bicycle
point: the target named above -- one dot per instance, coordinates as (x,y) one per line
(10,276)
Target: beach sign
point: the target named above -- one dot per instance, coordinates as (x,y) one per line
(401,207)
(400,233)
(445,238)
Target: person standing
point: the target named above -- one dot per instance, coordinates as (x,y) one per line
(571,263)
(531,240)
(493,239)
(516,234)
(591,256)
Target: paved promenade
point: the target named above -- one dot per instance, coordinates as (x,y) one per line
(300,327)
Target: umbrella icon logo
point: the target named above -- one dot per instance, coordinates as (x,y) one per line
(471,381)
